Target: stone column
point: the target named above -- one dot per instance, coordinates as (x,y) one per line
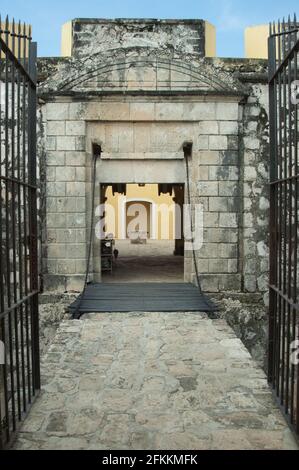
(66,193)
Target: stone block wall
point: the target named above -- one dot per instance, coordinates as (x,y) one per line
(91,36)
(218,189)
(215,177)
(255,143)
(65,224)
(229,172)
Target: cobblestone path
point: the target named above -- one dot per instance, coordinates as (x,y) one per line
(152,381)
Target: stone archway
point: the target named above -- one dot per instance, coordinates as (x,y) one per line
(139,69)
(150,214)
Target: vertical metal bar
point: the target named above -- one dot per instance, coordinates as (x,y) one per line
(19,176)
(278,132)
(285,188)
(6,136)
(272,117)
(295,400)
(14,213)
(293,264)
(5,434)
(1,185)
(295,292)
(25,211)
(2,367)
(9,208)
(278,195)
(6,422)
(289,207)
(33,215)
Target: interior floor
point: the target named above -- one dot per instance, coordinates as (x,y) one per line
(150,248)
(146,269)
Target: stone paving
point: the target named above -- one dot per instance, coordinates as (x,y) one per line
(152,381)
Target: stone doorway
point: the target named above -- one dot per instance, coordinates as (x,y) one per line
(145,147)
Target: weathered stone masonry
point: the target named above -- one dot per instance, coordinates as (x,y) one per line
(141,89)
(92,36)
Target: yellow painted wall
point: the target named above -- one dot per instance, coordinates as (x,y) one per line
(16,48)
(149,191)
(210,40)
(256,42)
(146,221)
(67,39)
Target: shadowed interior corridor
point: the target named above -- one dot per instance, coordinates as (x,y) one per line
(147,269)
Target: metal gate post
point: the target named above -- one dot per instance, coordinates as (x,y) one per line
(273,205)
(19,375)
(33,217)
(283,367)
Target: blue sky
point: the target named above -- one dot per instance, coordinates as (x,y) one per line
(229,16)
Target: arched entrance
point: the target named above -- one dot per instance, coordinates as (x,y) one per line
(138,217)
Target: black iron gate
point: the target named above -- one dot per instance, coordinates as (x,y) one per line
(19,346)
(284,307)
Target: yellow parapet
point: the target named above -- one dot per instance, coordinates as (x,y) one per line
(66,39)
(210,40)
(256,42)
(28,32)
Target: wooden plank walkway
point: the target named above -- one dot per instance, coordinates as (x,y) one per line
(142,297)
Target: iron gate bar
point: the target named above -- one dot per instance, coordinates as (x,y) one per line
(19,303)
(283,303)
(290,54)
(17,61)
(20,374)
